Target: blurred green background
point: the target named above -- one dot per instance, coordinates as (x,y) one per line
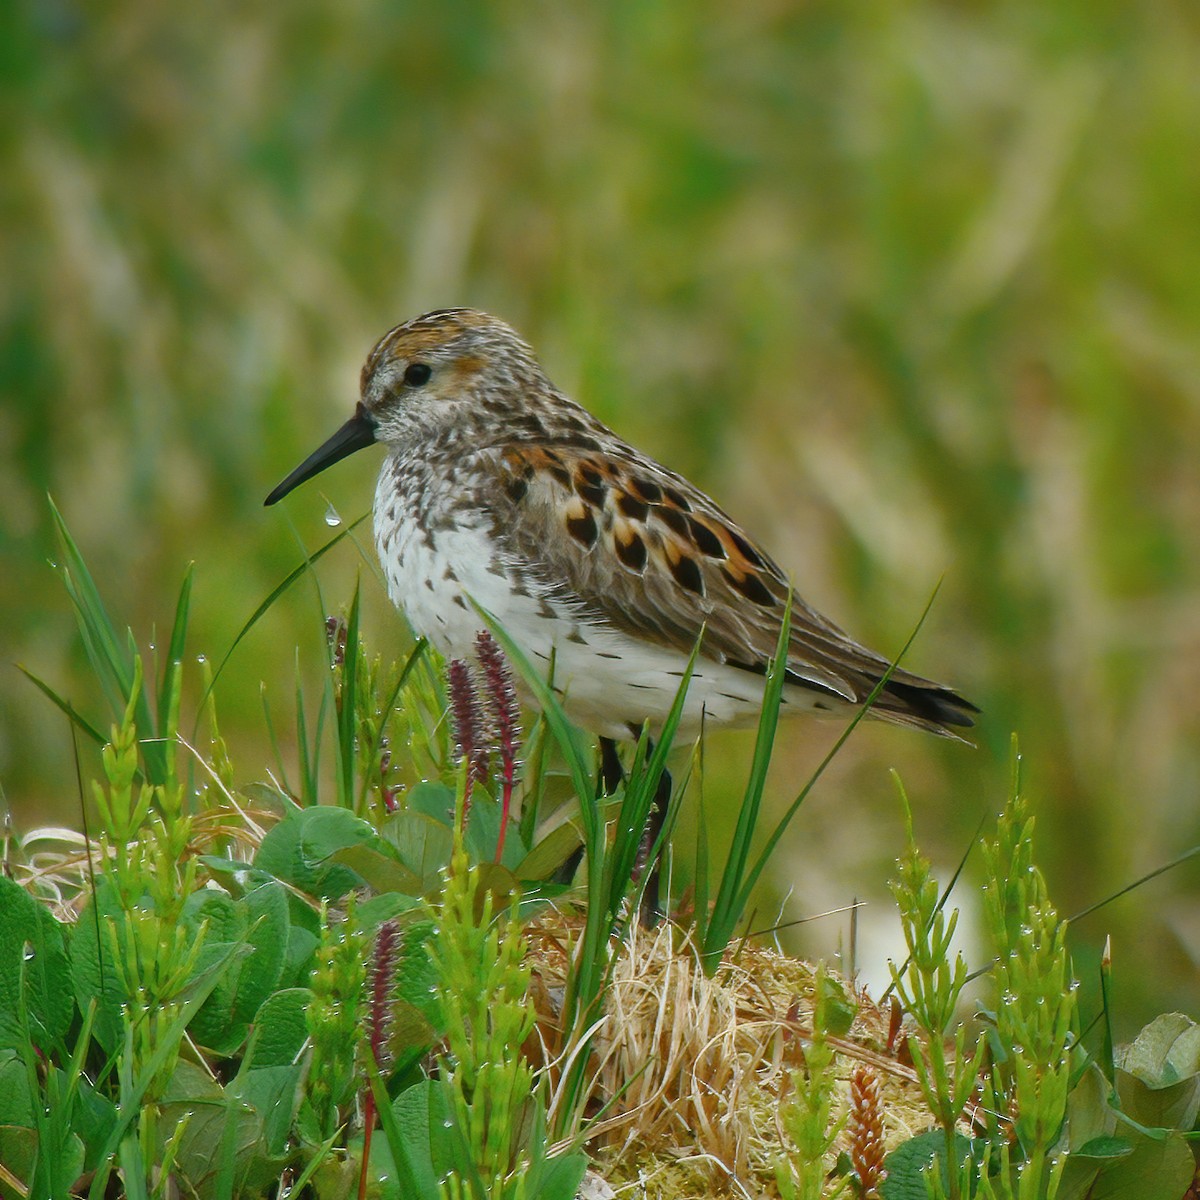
(913,290)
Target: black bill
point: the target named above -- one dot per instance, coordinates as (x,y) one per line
(357,432)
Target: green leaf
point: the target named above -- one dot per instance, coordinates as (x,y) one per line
(433,799)
(31,947)
(422,842)
(839,1007)
(1104,1148)
(104,648)
(906,1165)
(175,652)
(95,1119)
(281,1028)
(18,1152)
(286,852)
(409,1147)
(1158,1074)
(738,878)
(1089,1116)
(558,1178)
(301,946)
(347,708)
(257,925)
(1155,1170)
(380,872)
(1165,1052)
(191,1095)
(326,830)
(274,1094)
(550,853)
(93,975)
(417,978)
(372,912)
(417,1110)
(266,910)
(16,1101)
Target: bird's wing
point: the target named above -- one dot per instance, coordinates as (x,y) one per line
(636,547)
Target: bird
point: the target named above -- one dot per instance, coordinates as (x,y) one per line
(499,492)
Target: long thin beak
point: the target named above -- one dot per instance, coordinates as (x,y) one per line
(357,432)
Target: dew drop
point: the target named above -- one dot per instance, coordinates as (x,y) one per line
(201,659)
(332,519)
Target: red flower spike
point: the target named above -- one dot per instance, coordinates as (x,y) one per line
(464,708)
(379,1027)
(506,714)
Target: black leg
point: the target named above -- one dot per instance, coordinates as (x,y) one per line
(612,775)
(651,909)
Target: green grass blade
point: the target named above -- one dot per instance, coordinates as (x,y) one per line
(347,709)
(731,893)
(640,789)
(112,668)
(701,883)
(169,687)
(1178,860)
(80,722)
(388,707)
(778,832)
(273,738)
(309,755)
(274,595)
(1107,1059)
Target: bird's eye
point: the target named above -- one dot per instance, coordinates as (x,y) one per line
(416,374)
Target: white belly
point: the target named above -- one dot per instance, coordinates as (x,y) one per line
(609,683)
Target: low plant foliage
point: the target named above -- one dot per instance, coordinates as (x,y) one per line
(327,981)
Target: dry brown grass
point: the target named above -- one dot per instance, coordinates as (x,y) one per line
(689,1073)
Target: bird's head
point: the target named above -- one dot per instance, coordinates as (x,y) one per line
(436,375)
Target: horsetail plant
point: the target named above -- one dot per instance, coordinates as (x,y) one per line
(929,987)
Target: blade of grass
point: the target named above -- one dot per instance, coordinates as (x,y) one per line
(730,901)
(309,755)
(779,830)
(274,595)
(1179,860)
(410,664)
(347,709)
(640,790)
(77,720)
(387,709)
(100,639)
(273,738)
(175,651)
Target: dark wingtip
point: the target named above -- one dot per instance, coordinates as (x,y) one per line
(937,705)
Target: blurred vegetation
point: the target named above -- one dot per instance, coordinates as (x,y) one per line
(914,290)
